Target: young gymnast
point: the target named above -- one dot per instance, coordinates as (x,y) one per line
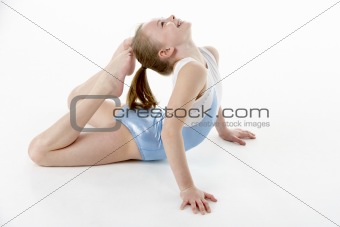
(164,45)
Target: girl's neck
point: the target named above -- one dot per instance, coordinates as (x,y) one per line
(189,50)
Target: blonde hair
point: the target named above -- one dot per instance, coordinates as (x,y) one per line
(146,52)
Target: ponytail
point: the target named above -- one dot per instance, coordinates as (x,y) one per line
(145,50)
(140,90)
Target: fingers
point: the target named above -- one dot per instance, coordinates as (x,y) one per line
(206,205)
(128,50)
(193,206)
(239,141)
(184,203)
(210,196)
(127,43)
(247,134)
(197,201)
(244,134)
(199,205)
(252,135)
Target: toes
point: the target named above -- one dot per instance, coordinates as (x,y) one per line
(128,51)
(127,43)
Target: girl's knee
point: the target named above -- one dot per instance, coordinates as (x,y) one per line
(37,152)
(72,94)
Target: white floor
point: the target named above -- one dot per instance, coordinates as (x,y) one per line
(288,176)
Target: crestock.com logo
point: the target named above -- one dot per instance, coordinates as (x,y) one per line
(245,117)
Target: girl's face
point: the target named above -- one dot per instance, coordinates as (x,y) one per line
(169,32)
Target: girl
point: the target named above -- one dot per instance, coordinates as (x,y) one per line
(165,46)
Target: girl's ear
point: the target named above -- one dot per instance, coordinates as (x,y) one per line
(166,53)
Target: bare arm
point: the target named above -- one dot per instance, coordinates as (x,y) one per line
(221,126)
(190,81)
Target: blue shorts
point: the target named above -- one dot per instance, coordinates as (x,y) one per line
(147,127)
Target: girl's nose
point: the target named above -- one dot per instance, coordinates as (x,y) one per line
(172,18)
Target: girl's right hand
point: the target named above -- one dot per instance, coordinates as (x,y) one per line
(197,199)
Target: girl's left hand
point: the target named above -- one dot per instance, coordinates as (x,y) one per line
(236,135)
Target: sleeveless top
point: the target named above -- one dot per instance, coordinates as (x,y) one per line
(213,85)
(147,130)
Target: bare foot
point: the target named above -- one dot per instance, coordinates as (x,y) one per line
(126,44)
(113,77)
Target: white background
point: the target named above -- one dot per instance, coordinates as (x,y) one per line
(297,80)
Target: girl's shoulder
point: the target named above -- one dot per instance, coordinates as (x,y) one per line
(214,52)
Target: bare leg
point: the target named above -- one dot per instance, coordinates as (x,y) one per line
(103,116)
(86,87)
(61,145)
